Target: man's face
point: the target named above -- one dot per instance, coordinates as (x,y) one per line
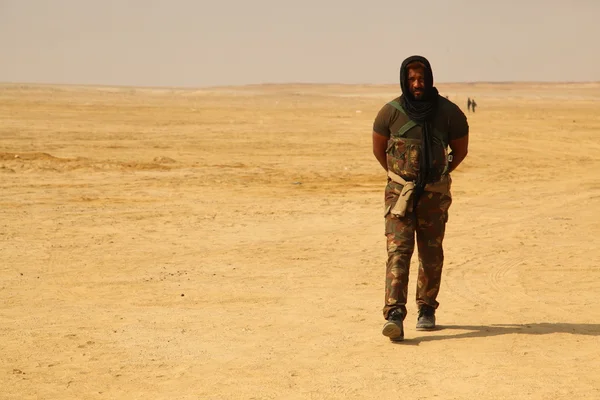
(416,82)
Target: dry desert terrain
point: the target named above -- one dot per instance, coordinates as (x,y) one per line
(227,243)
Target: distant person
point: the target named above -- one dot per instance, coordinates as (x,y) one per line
(473,105)
(469,103)
(410,138)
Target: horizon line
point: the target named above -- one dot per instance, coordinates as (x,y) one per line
(290,83)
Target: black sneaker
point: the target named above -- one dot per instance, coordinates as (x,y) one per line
(394,327)
(426,320)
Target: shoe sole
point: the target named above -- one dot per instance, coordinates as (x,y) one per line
(393,331)
(425,328)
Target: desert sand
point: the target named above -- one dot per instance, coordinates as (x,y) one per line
(227,243)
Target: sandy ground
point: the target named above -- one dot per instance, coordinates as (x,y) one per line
(228,244)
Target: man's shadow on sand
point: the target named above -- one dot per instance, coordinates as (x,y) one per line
(477,331)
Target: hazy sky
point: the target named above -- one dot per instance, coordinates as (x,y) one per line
(206,43)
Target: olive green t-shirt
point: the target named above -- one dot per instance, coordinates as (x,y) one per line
(449,118)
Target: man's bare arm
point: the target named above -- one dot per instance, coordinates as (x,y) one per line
(460,148)
(379,149)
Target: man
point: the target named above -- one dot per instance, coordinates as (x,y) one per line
(469,104)
(411,135)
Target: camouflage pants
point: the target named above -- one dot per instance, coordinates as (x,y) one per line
(428,222)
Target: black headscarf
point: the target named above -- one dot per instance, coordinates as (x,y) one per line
(423,112)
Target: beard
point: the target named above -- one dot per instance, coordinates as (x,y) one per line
(417,94)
